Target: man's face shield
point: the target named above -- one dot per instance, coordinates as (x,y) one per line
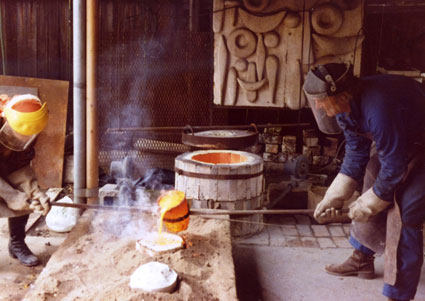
(323,91)
(324,113)
(13,140)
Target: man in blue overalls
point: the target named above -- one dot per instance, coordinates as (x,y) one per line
(383,120)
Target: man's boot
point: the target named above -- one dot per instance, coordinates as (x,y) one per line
(359,264)
(17,246)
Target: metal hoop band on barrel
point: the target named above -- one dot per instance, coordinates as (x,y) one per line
(176,220)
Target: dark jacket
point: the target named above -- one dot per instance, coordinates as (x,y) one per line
(11,161)
(389,109)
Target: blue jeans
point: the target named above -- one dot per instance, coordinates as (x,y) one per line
(411,200)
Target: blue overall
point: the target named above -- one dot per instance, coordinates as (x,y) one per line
(391,110)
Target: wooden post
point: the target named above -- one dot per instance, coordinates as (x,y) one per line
(92,126)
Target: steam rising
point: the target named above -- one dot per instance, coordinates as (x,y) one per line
(142,192)
(134,67)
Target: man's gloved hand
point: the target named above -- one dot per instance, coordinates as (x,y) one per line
(24,179)
(40,203)
(341,189)
(366,205)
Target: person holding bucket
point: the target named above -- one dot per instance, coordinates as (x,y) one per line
(23,118)
(383,121)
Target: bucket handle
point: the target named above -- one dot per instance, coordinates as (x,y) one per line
(255,127)
(188,128)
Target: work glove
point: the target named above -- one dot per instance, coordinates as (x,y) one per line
(24,179)
(342,188)
(40,202)
(366,205)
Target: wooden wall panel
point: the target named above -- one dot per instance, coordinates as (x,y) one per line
(261,50)
(37,38)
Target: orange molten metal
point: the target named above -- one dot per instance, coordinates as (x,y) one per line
(174,211)
(28,105)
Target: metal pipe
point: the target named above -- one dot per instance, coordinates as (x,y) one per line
(212,127)
(194,211)
(259,211)
(79,96)
(92,126)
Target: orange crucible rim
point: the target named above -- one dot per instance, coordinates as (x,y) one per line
(169,193)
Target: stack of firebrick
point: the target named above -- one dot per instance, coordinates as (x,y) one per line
(280,148)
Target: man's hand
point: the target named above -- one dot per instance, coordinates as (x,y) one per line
(329,215)
(24,179)
(40,202)
(341,189)
(366,205)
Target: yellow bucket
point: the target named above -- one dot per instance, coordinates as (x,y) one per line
(176,217)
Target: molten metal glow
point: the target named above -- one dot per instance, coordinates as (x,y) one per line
(220,158)
(170,200)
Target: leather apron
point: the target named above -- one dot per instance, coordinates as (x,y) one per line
(381,233)
(7,159)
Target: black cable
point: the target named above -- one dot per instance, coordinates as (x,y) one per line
(300,62)
(380,37)
(355,45)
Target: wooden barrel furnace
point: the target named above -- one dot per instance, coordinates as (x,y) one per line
(224,179)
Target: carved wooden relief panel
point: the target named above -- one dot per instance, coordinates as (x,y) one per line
(263,48)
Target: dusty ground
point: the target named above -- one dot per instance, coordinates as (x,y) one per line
(97,258)
(15,279)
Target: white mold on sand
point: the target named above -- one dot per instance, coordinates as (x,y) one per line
(154,277)
(149,243)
